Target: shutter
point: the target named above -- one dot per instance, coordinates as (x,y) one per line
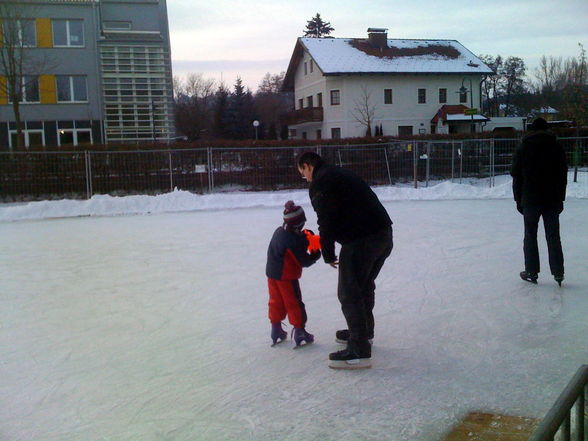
(44,37)
(48,89)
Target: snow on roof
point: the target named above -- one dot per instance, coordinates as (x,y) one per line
(355,55)
(463,117)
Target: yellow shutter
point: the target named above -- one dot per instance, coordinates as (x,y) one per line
(48,91)
(3,90)
(44,37)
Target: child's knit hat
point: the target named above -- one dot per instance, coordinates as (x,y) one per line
(294,217)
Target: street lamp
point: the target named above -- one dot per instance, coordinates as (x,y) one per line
(256,125)
(463,90)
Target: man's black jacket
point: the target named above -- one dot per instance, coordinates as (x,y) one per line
(347,209)
(539,171)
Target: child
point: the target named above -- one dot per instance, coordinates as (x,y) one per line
(286,256)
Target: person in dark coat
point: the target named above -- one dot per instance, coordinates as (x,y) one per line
(539,171)
(286,256)
(349,212)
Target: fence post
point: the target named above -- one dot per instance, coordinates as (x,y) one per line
(461,150)
(387,164)
(171,174)
(88,166)
(428,163)
(415,158)
(452,160)
(210,170)
(491,183)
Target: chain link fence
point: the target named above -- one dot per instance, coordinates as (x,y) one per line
(76,175)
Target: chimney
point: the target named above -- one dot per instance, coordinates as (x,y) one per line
(378,37)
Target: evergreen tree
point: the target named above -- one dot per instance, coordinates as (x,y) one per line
(241,113)
(221,107)
(317,28)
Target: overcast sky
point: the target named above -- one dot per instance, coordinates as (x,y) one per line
(227,38)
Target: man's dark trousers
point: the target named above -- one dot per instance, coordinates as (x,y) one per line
(550,215)
(360,263)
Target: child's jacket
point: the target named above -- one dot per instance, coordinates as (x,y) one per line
(286,255)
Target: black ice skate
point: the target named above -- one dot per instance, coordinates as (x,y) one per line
(342,336)
(529,277)
(355,356)
(559,278)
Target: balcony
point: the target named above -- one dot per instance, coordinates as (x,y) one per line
(309,114)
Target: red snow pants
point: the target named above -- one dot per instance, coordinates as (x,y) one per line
(285,298)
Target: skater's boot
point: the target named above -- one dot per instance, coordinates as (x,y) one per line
(529,277)
(278,333)
(342,336)
(559,278)
(301,336)
(357,355)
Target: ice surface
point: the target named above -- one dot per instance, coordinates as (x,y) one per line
(154,327)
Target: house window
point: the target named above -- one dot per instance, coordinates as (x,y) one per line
(32,138)
(69,33)
(74,136)
(319,98)
(292,133)
(309,101)
(319,134)
(71,88)
(304,135)
(335,97)
(463,96)
(311,66)
(300,103)
(117,25)
(336,133)
(29,89)
(442,96)
(387,96)
(422,96)
(305,68)
(404,130)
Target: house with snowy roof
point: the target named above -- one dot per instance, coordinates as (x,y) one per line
(350,87)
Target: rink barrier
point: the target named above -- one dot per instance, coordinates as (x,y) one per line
(28,175)
(558,420)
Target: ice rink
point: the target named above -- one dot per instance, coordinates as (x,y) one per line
(154,327)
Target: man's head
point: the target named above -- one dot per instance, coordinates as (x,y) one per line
(307,162)
(294,217)
(539,124)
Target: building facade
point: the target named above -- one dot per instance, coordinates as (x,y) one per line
(397,87)
(94,71)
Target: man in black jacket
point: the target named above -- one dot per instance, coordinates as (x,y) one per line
(539,173)
(349,212)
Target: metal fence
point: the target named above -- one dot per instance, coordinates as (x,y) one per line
(61,174)
(557,424)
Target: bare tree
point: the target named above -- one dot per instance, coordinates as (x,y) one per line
(194,96)
(364,111)
(512,80)
(271,103)
(19,67)
(490,90)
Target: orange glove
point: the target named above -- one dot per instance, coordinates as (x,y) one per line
(314,241)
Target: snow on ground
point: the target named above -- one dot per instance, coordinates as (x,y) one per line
(154,327)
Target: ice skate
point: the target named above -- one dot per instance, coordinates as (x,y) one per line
(529,277)
(357,355)
(301,337)
(559,278)
(342,337)
(278,334)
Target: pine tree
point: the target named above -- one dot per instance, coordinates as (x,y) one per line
(317,28)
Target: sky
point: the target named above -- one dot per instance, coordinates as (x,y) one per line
(229,38)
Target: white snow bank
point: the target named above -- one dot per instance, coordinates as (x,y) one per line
(177,201)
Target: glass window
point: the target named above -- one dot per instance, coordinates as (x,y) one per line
(59,32)
(422,96)
(463,96)
(63,88)
(404,130)
(387,96)
(336,133)
(335,97)
(31,86)
(442,96)
(79,88)
(309,101)
(305,68)
(68,32)
(76,32)
(28,32)
(319,98)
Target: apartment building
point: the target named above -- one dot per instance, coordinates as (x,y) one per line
(94,71)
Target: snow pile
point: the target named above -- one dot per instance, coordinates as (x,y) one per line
(179,201)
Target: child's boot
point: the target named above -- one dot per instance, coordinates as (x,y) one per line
(301,336)
(278,333)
